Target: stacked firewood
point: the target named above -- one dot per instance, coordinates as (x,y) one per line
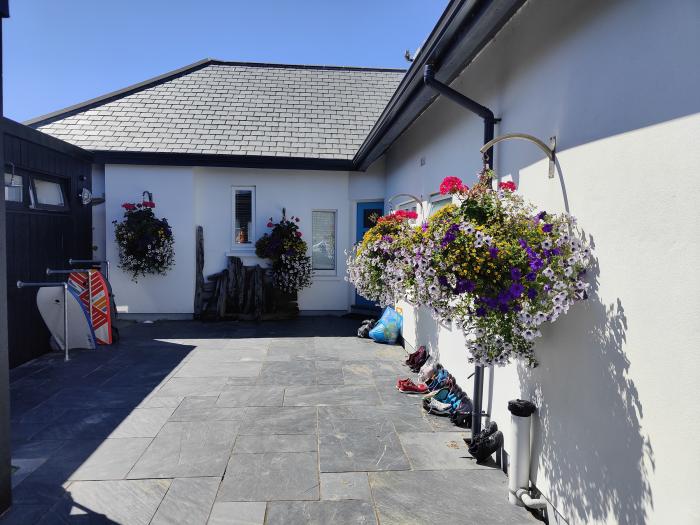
(238,292)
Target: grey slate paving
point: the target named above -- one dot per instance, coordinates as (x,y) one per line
(320,513)
(170,447)
(189,500)
(287,420)
(288,373)
(437,451)
(133,502)
(241,109)
(187,449)
(205,409)
(256,396)
(112,459)
(271,476)
(464,496)
(345,485)
(359,445)
(142,422)
(331,395)
(258,443)
(237,513)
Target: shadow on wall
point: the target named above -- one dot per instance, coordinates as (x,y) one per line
(589,441)
(427,329)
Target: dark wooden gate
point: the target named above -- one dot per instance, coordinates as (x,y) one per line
(41,236)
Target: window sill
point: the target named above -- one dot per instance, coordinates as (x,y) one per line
(327,278)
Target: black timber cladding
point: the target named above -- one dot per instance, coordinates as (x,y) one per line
(37,239)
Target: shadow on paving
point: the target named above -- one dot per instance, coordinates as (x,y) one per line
(62,414)
(287,423)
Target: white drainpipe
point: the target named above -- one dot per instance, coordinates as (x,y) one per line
(519,467)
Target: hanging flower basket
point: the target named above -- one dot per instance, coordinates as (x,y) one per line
(145,242)
(494,264)
(284,246)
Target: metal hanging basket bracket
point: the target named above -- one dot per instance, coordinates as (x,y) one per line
(410,199)
(549,150)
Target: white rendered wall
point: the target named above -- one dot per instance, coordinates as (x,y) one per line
(189,197)
(173,192)
(618,84)
(299,192)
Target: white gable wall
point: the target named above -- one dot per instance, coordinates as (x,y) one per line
(189,197)
(173,192)
(618,84)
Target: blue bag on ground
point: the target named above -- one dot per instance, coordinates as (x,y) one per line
(388,328)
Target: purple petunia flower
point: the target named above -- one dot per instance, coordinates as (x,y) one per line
(547,228)
(442,280)
(503,308)
(463,286)
(516,290)
(387,238)
(481,311)
(531,293)
(424,226)
(493,252)
(541,215)
(531,276)
(536,264)
(515,273)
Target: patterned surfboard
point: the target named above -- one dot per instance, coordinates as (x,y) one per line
(98,305)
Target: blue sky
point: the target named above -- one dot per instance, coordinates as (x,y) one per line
(58,53)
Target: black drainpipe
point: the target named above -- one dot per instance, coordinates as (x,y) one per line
(489,122)
(464,101)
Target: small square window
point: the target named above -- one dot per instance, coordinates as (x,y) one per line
(323,248)
(243,217)
(47,194)
(13,187)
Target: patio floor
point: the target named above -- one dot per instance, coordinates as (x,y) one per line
(278,423)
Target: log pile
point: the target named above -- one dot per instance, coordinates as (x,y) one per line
(239,292)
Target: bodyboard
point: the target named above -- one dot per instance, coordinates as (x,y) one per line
(49,300)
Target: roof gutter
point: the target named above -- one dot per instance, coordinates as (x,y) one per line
(464,29)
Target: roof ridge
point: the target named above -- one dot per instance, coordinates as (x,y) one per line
(305,66)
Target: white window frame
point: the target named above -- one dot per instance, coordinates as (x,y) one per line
(249,247)
(438,197)
(329,273)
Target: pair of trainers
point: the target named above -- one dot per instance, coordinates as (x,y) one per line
(409,387)
(417,359)
(486,442)
(367,325)
(447,401)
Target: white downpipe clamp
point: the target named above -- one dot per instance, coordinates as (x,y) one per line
(532,503)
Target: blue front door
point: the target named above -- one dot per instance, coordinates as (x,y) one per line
(366,213)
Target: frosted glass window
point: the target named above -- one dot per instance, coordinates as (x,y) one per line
(13,187)
(243,216)
(48,193)
(323,240)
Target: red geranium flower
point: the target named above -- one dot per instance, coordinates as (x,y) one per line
(128,206)
(149,204)
(298,234)
(450,185)
(508,186)
(270,225)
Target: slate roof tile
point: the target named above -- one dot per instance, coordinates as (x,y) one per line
(259,109)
